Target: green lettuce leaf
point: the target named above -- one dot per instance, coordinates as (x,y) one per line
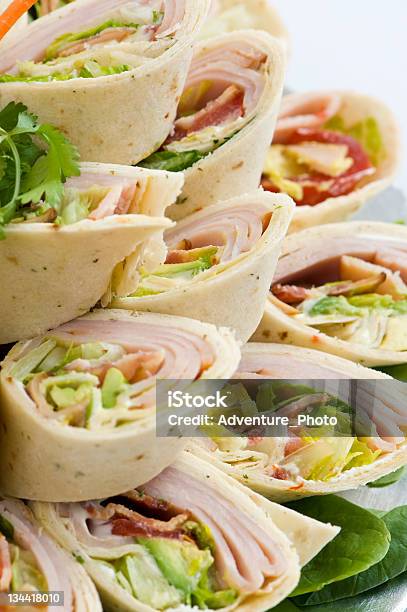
(172,161)
(392,565)
(362,542)
(366,132)
(389,479)
(398,371)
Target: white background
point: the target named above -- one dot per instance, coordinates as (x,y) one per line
(354,44)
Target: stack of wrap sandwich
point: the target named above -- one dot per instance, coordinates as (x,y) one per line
(149,174)
(331,152)
(225,119)
(303,464)
(191,538)
(108,73)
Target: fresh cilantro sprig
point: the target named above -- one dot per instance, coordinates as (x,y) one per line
(35,161)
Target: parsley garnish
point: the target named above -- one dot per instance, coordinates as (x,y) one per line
(35,161)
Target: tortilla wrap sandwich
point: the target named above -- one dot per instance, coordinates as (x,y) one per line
(31,561)
(331,152)
(79,402)
(108,73)
(192,537)
(225,119)
(71,232)
(342,289)
(219,263)
(304,463)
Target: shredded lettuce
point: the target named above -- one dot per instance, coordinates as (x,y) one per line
(32,360)
(140,575)
(201,259)
(89,70)
(327,457)
(25,571)
(334,305)
(354,305)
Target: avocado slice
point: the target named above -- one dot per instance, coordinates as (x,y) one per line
(182,563)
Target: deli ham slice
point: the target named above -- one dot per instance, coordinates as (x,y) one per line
(307,110)
(319,262)
(174,11)
(236,64)
(186,355)
(236,229)
(245,554)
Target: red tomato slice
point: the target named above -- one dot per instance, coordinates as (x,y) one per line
(313,190)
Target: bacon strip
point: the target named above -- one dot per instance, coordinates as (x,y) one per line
(126,522)
(290,294)
(227,107)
